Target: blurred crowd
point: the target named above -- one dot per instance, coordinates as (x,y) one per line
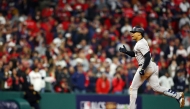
(71,46)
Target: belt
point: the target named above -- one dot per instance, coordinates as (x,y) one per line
(140,64)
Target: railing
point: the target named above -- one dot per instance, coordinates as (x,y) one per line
(94,101)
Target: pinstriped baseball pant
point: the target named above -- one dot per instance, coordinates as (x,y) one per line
(151,74)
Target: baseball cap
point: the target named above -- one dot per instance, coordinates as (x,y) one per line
(137,29)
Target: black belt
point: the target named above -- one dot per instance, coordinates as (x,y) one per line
(140,64)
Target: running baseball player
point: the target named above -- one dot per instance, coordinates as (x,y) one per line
(147,70)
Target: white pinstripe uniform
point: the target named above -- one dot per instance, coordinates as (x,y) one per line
(140,49)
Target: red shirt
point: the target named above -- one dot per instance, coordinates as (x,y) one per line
(52,21)
(65,25)
(177,2)
(49,37)
(102,86)
(31,24)
(46,26)
(46,12)
(128,12)
(117,84)
(139,20)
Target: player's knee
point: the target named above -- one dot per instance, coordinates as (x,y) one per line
(132,91)
(156,88)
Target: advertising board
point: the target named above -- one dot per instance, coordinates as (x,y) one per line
(105,102)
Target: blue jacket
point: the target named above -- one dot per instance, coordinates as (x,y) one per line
(78,80)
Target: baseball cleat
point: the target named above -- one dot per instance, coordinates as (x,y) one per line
(181,99)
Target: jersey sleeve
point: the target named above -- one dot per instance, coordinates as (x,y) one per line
(143,48)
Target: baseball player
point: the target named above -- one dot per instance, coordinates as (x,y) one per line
(147,70)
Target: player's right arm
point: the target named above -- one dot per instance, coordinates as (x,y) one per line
(124,50)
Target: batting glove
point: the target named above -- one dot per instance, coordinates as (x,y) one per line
(123,50)
(141,72)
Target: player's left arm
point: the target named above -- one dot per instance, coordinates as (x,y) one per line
(147,59)
(144,49)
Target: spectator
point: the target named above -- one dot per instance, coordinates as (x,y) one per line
(139,16)
(36,79)
(184,20)
(188,50)
(50,80)
(91,82)
(180,82)
(67,77)
(181,51)
(59,40)
(131,71)
(186,40)
(43,72)
(102,85)
(7,80)
(113,66)
(117,84)
(163,69)
(125,78)
(60,61)
(163,45)
(82,59)
(166,81)
(114,4)
(16,85)
(62,87)
(25,81)
(128,13)
(170,50)
(1,75)
(32,97)
(92,66)
(108,75)
(41,49)
(181,54)
(172,68)
(78,79)
(59,75)
(2,19)
(101,4)
(184,5)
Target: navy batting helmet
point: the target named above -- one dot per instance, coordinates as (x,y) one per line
(137,29)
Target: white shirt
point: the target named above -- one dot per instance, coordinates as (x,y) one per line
(184,21)
(188,50)
(126,28)
(184,6)
(2,20)
(43,74)
(113,67)
(36,80)
(140,49)
(6,83)
(62,63)
(166,82)
(58,41)
(171,52)
(182,52)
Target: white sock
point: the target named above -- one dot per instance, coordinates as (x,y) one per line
(133,97)
(167,92)
(171,93)
(132,104)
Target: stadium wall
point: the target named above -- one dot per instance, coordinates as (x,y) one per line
(69,101)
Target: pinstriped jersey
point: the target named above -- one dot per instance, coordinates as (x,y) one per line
(140,49)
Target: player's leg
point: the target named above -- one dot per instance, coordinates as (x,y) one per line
(154,83)
(136,83)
